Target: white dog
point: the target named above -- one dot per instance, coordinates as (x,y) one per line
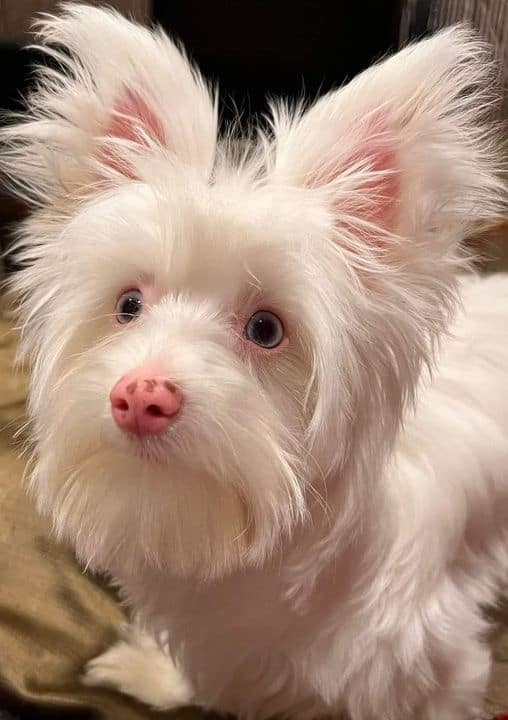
(263,399)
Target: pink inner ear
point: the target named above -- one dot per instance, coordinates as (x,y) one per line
(385,188)
(377,180)
(131,113)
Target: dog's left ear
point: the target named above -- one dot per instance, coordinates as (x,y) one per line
(404,150)
(118,95)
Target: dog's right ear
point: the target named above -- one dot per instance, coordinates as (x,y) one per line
(119,96)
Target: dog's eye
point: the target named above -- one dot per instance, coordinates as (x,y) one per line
(265,329)
(129,306)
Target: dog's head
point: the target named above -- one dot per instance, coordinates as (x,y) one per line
(216,329)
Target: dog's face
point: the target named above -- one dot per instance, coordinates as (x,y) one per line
(216,333)
(173,420)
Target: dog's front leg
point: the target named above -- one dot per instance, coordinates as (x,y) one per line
(137,665)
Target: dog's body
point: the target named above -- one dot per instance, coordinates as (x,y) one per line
(394,621)
(294,461)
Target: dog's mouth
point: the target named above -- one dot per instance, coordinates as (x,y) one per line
(152,450)
(155,449)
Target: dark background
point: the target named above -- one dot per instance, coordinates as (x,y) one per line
(278,47)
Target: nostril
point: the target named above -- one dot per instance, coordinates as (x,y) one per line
(143,405)
(155,411)
(120,404)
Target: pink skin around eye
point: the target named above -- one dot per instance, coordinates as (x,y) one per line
(247,346)
(150,294)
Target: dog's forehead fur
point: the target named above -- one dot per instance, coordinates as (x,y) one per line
(199,238)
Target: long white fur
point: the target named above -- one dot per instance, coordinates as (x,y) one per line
(320,530)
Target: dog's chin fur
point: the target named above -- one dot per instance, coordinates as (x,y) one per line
(320,524)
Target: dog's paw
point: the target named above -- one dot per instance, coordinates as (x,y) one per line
(138,667)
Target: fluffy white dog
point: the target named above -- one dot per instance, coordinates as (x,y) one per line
(263,399)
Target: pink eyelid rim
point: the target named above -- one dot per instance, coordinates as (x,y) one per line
(126,289)
(241,322)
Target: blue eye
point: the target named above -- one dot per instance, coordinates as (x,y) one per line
(265,329)
(129,306)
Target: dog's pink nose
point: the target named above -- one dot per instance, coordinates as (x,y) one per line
(144,404)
